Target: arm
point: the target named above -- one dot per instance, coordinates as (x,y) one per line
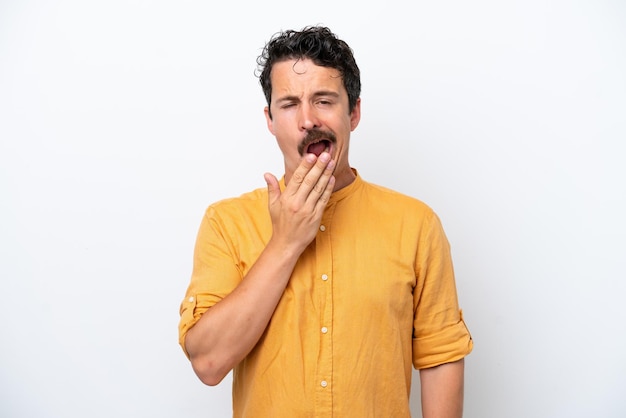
(442,390)
(230,329)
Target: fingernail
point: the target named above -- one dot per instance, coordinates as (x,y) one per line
(310,158)
(331,165)
(324,157)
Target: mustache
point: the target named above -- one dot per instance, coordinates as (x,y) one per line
(313,136)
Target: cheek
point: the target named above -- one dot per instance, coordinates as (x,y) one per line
(289,151)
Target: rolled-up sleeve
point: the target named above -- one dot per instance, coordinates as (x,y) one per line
(439,331)
(215,273)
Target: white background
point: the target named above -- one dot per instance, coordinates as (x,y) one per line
(120,121)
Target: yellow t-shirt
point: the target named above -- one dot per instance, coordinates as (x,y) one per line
(373,294)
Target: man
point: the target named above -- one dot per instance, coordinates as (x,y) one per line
(321,291)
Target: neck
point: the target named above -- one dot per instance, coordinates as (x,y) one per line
(344,178)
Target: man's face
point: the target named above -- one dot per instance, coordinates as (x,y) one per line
(309,109)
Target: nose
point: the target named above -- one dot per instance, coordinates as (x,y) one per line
(308,117)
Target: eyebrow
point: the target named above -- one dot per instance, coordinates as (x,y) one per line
(317,94)
(326,93)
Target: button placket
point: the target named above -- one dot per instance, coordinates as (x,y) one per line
(324,268)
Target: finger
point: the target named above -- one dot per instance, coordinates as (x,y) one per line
(300,173)
(322,183)
(273,188)
(325,197)
(315,180)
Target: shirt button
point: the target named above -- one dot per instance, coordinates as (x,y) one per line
(322,228)
(324,383)
(190,298)
(324,330)
(324,277)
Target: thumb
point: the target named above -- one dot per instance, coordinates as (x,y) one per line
(273,188)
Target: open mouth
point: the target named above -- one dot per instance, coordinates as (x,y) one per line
(318,147)
(316,142)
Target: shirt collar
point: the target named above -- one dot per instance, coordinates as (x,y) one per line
(348,190)
(339,194)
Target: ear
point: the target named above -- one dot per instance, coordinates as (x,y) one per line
(355,116)
(268,120)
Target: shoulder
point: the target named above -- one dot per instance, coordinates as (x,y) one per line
(391,199)
(244,205)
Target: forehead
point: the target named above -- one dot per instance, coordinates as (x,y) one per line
(303,74)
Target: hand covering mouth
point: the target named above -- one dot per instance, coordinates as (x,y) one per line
(316,142)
